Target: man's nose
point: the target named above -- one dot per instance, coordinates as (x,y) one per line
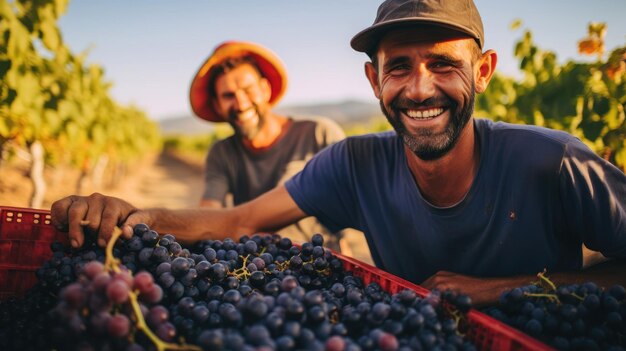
(242,101)
(421,85)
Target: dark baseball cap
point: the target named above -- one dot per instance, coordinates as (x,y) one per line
(458,15)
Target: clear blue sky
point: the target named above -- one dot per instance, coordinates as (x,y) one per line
(151,49)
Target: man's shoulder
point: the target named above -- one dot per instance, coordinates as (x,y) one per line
(374,143)
(368,145)
(230,140)
(228,144)
(318,122)
(389,136)
(325,130)
(509,132)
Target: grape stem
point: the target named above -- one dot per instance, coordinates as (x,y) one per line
(242,272)
(551,297)
(112,263)
(546,280)
(141,325)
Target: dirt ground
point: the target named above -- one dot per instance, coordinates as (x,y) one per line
(161,181)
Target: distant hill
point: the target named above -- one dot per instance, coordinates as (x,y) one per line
(346,113)
(184,125)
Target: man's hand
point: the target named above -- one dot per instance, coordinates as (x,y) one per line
(95,215)
(482,291)
(487,291)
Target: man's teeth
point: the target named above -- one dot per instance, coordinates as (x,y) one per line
(246,115)
(423,114)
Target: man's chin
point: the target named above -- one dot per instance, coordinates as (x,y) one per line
(248,133)
(428,146)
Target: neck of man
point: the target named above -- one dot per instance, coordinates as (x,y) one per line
(269,133)
(444,182)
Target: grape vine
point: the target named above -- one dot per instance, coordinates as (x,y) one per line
(56,106)
(585,99)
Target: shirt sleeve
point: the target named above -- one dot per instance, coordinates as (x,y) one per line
(322,189)
(216,174)
(594,200)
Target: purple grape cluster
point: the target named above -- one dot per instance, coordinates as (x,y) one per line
(260,292)
(567,317)
(97,309)
(65,264)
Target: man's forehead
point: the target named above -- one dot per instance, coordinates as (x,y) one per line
(243,70)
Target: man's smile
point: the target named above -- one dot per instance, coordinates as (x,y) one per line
(424,114)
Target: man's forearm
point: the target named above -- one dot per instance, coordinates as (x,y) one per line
(604,274)
(211,203)
(191,225)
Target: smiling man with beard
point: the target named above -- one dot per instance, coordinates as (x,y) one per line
(426,142)
(446,200)
(239,84)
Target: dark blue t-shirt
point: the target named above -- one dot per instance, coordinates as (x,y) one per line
(537,196)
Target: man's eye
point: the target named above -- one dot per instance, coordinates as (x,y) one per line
(441,65)
(398,69)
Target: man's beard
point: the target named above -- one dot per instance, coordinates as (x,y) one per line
(425,144)
(248,132)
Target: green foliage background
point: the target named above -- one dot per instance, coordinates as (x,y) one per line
(584,99)
(52,96)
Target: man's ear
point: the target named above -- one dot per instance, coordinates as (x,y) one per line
(372,75)
(486,66)
(266,88)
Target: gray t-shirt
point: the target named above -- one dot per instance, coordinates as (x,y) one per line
(230,168)
(537,196)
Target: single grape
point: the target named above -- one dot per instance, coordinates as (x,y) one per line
(117,291)
(156,315)
(118,326)
(143,282)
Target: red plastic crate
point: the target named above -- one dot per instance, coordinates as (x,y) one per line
(26,235)
(25,238)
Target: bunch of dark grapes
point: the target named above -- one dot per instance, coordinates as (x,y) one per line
(65,264)
(250,263)
(346,316)
(97,311)
(260,292)
(567,317)
(265,292)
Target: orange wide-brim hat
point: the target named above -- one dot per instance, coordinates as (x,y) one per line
(271,67)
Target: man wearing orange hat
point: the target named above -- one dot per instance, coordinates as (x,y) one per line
(239,84)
